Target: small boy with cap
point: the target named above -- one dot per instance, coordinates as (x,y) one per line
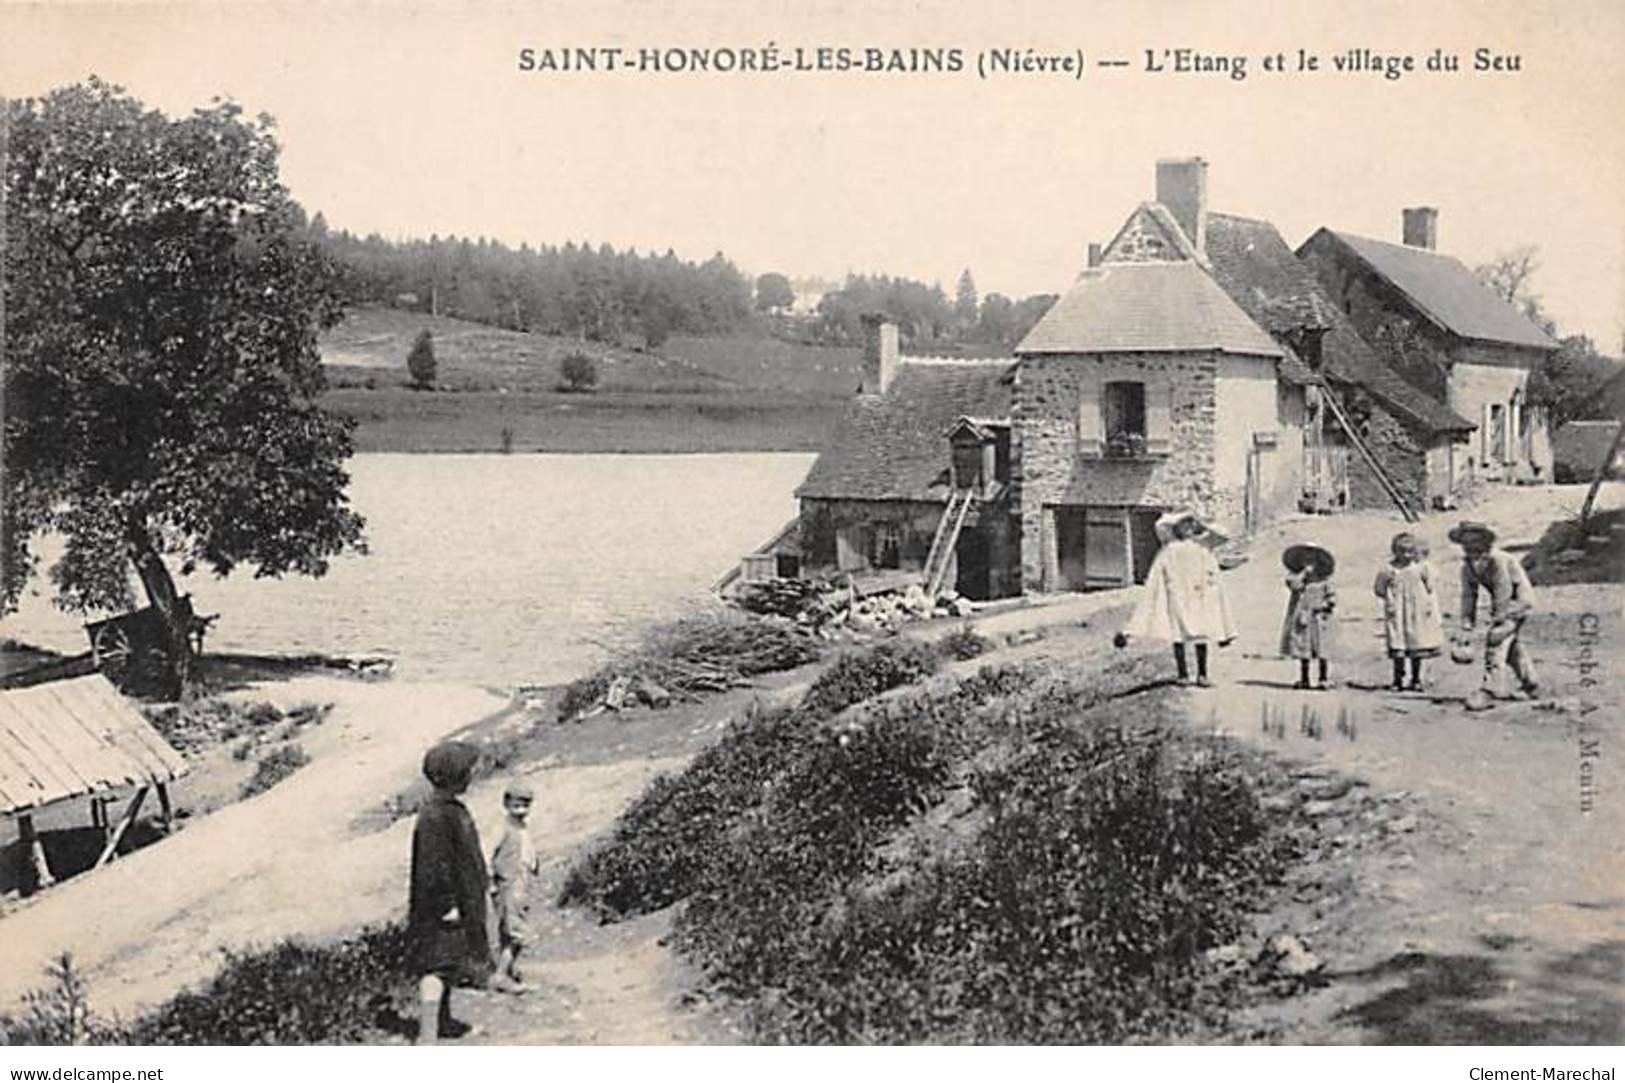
(1497,573)
(513,866)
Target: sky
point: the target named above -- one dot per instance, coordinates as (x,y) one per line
(411,119)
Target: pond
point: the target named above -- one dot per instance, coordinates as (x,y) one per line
(499,569)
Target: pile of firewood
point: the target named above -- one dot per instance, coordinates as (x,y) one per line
(691,658)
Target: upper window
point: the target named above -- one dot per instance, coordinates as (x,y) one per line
(1123,418)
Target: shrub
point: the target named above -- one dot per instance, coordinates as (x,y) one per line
(200,724)
(290,994)
(858,675)
(60,1014)
(964,643)
(420,362)
(579,371)
(679,824)
(1012,858)
(275,766)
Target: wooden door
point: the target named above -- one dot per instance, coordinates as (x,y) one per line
(1106,561)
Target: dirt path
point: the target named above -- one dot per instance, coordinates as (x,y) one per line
(280,864)
(1502,919)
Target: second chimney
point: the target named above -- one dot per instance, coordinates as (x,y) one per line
(1421,227)
(1182,188)
(879,353)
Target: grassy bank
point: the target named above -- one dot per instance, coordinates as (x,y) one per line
(498,390)
(399,419)
(1006,858)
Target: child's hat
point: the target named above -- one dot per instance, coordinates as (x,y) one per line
(1404,542)
(1165,525)
(1467,532)
(519,789)
(449,765)
(1298,557)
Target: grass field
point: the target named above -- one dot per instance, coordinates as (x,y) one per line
(399,419)
(499,390)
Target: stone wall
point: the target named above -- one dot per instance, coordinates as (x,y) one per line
(1047,468)
(1403,453)
(822,521)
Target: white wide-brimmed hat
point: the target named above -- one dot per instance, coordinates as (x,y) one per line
(1165,524)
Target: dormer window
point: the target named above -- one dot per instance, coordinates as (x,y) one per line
(979,456)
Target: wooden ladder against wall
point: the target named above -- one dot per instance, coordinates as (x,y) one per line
(947,537)
(1383,479)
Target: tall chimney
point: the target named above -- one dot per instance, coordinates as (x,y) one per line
(879,353)
(1421,227)
(1182,188)
(1094,255)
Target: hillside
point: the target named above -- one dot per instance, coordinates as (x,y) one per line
(499,390)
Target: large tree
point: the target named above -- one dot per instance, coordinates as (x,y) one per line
(160,363)
(1564,382)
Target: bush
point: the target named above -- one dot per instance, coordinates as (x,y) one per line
(1011,858)
(859,675)
(420,362)
(290,994)
(275,766)
(679,824)
(200,724)
(579,371)
(964,644)
(60,1014)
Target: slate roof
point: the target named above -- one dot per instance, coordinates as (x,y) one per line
(1147,308)
(1446,292)
(76,737)
(1254,265)
(895,446)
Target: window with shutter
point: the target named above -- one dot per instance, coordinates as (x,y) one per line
(1159,420)
(1091,435)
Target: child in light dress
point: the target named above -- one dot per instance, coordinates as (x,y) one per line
(1411,625)
(514,865)
(1184,602)
(1307,632)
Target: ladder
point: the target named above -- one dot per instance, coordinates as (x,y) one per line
(1383,479)
(947,537)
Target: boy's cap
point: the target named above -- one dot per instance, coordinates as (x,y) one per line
(520,790)
(449,765)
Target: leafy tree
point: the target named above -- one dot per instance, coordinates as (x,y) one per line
(773,291)
(161,367)
(420,363)
(580,372)
(1566,381)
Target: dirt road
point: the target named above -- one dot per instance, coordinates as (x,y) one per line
(1503,918)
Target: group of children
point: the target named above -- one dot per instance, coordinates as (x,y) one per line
(1184,603)
(453,893)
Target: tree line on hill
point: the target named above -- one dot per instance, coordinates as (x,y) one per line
(604,295)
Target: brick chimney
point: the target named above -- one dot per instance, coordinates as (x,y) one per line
(1094,255)
(1421,227)
(1182,189)
(879,353)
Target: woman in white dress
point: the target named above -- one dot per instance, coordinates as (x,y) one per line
(1184,602)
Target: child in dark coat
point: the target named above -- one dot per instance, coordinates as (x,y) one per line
(1306,634)
(447,943)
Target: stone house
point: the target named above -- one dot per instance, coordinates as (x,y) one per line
(1448,335)
(1195,362)
(924,439)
